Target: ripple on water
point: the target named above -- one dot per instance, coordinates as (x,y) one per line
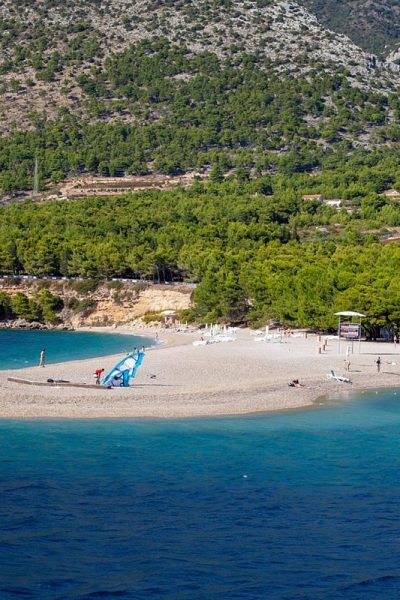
(174,517)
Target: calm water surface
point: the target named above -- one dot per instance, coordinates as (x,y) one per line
(302,505)
(21,348)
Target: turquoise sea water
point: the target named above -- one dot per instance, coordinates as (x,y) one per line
(301,505)
(21,348)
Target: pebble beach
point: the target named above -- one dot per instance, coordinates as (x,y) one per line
(178,379)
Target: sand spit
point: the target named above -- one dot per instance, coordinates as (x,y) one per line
(181,380)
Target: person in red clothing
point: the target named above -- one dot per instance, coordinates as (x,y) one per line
(97,374)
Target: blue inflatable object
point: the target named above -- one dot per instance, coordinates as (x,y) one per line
(124,371)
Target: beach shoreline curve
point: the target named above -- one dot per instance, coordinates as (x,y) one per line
(180,380)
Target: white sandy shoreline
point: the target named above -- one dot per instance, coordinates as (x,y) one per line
(235,378)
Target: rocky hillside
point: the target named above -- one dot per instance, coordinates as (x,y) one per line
(45,46)
(117,87)
(90,303)
(372,25)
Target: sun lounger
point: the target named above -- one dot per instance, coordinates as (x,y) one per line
(339,378)
(275,338)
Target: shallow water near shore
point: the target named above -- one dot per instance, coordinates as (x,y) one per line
(19,348)
(291,505)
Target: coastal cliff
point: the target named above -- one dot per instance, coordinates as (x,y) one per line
(91,303)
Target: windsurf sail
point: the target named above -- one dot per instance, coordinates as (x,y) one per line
(124,371)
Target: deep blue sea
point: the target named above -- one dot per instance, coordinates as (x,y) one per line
(22,348)
(300,505)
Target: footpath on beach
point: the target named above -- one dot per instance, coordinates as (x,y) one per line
(180,379)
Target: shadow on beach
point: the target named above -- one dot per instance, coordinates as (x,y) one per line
(379,353)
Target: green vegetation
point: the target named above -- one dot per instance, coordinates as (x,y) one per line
(153,317)
(42,307)
(256,248)
(375,26)
(84,306)
(157,106)
(85,287)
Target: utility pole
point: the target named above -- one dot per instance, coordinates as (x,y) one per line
(36,178)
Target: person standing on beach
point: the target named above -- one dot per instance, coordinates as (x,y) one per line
(378,364)
(42,358)
(347,359)
(395,340)
(97,374)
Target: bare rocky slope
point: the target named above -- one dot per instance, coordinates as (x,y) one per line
(46,45)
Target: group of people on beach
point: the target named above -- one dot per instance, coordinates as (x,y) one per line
(377,362)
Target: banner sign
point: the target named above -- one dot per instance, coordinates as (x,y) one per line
(350,331)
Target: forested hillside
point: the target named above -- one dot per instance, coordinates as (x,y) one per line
(373,25)
(180,112)
(256,248)
(256,96)
(113,88)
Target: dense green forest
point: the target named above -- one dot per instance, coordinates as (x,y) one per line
(256,248)
(157,107)
(43,306)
